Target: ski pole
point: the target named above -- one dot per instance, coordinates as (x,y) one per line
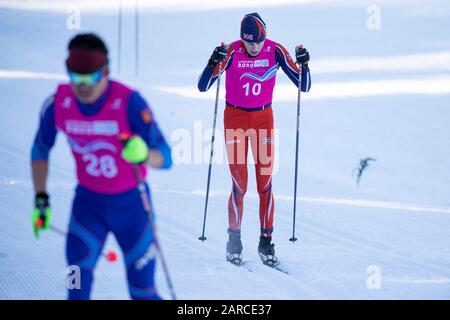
(293,239)
(123,137)
(136,37)
(213,137)
(119,35)
(110,256)
(146,203)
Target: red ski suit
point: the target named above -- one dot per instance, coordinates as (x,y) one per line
(248,119)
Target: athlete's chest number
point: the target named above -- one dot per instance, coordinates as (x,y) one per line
(256,88)
(100,166)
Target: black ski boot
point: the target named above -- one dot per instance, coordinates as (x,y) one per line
(266,251)
(234,247)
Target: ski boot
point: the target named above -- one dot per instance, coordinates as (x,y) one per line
(266,251)
(234,247)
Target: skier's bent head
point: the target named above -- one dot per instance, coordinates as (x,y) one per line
(87,66)
(253,33)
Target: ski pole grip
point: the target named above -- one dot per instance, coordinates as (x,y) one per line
(223,44)
(300,46)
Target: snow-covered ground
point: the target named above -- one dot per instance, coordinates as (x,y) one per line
(381,88)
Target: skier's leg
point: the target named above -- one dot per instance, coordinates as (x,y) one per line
(263,144)
(86,236)
(237,148)
(239,176)
(131,226)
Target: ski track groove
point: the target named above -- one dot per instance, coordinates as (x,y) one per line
(347,240)
(287,280)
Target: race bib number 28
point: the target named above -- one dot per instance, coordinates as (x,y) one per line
(100,166)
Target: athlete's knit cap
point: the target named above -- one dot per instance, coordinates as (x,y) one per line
(87,53)
(253,28)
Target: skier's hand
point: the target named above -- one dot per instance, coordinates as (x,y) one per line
(301,55)
(135,150)
(219,54)
(42,213)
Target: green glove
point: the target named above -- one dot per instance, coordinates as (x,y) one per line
(135,150)
(42,213)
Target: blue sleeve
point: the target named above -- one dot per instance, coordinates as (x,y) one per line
(210,74)
(143,123)
(206,79)
(46,134)
(286,63)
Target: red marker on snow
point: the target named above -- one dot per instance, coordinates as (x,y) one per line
(110,256)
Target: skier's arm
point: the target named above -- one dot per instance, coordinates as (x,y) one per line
(40,173)
(43,142)
(211,72)
(289,67)
(143,124)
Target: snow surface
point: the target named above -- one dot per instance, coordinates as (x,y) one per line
(379,93)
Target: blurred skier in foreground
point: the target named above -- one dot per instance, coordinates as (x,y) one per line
(92,111)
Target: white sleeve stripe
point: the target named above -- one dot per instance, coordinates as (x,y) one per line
(209,82)
(308,82)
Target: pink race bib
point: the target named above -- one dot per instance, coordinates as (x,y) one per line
(250,80)
(93,139)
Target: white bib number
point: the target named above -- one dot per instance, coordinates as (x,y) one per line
(100,166)
(256,88)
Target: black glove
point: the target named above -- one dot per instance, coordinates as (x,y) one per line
(301,55)
(219,54)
